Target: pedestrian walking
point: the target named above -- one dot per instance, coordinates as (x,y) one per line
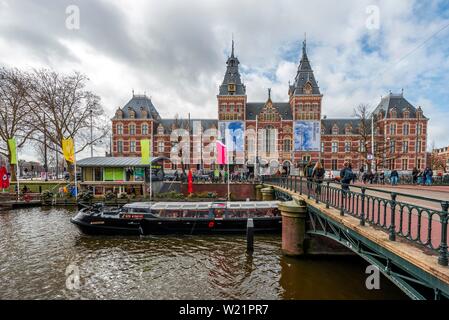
(346,177)
(394,177)
(318,176)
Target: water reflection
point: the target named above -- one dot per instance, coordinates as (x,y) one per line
(38,245)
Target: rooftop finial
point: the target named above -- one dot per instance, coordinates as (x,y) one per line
(232,52)
(269,93)
(133,92)
(304,44)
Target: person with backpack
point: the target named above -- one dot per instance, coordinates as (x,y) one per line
(308,173)
(318,176)
(415,173)
(394,176)
(428,176)
(382,177)
(346,176)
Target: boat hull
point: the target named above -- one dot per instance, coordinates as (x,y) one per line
(156,226)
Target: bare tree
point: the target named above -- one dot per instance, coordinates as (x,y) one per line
(14,111)
(364,132)
(437,162)
(63,108)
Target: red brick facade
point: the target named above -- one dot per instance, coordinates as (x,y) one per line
(398,144)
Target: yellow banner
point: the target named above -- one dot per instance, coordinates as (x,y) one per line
(68,149)
(145,148)
(13,150)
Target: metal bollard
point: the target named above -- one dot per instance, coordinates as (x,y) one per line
(250,235)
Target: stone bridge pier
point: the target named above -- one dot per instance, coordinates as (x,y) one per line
(295,240)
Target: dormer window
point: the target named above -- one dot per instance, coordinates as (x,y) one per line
(132,114)
(144,113)
(406,114)
(419,113)
(308,88)
(160,130)
(381,115)
(119,114)
(231,88)
(323,130)
(393,113)
(335,129)
(348,129)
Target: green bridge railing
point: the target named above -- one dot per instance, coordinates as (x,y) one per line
(421,225)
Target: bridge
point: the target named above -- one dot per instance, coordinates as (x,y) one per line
(404,235)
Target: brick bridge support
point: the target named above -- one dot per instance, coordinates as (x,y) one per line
(295,240)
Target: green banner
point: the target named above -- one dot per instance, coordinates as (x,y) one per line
(114,174)
(139,174)
(13,150)
(145,147)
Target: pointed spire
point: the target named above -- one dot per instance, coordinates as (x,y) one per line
(269,94)
(304,74)
(232,82)
(304,46)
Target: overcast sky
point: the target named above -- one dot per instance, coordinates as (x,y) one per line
(175,51)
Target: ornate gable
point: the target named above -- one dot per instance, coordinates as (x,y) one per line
(269,113)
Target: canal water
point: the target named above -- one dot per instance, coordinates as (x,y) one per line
(42,256)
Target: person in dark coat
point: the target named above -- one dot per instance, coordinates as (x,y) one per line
(346,176)
(318,176)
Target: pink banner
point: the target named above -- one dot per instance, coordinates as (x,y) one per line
(221,153)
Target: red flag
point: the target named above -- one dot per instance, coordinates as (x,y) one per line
(4,183)
(190,182)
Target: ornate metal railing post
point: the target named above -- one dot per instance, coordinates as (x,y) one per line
(309,188)
(300,185)
(342,209)
(296,179)
(362,214)
(443,258)
(392,228)
(327,195)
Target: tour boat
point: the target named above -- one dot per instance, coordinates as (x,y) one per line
(145,218)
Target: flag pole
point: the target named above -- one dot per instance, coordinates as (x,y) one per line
(76,174)
(18,175)
(229,187)
(151,165)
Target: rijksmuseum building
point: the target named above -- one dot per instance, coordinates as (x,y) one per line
(290,133)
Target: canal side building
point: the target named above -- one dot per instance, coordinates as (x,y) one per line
(400,128)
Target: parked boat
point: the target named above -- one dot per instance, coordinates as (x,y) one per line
(144,218)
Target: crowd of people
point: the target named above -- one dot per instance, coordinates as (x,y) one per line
(214,176)
(315,173)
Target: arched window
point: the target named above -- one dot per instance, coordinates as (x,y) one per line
(144,129)
(406,129)
(161,146)
(287,145)
(132,129)
(120,129)
(270,140)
